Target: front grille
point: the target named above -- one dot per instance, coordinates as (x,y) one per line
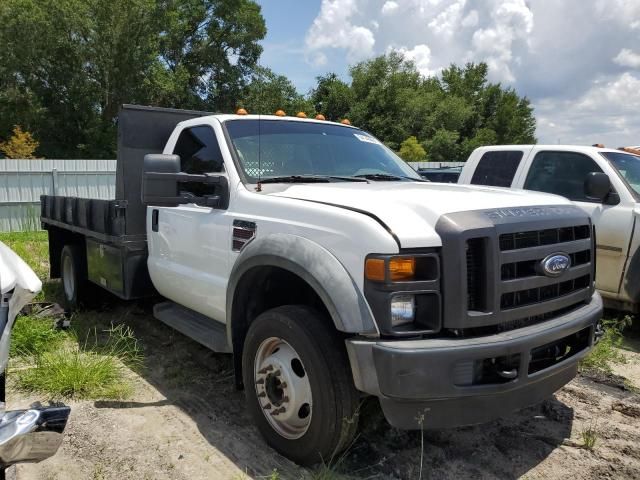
(531,296)
(537,238)
(493,274)
(527,268)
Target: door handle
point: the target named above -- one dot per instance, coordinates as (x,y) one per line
(154,219)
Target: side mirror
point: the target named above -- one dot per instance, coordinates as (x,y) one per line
(597,186)
(163,184)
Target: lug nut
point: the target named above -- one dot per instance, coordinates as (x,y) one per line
(266,369)
(283,384)
(262,394)
(285,399)
(267,406)
(260,381)
(277,373)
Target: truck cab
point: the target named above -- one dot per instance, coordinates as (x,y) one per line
(603,182)
(331,271)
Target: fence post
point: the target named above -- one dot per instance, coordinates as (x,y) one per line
(54,179)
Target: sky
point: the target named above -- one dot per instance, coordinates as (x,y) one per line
(578,61)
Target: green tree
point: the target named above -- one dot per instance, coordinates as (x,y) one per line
(67,65)
(411,150)
(332,97)
(268,92)
(443,146)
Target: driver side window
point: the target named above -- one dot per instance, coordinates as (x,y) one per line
(199,153)
(199,150)
(562,173)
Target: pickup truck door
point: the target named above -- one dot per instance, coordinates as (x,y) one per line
(189,245)
(563,173)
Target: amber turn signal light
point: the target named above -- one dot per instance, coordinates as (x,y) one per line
(374,269)
(400,269)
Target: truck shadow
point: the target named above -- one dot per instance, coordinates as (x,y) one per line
(201,384)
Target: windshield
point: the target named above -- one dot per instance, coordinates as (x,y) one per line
(628,166)
(277,148)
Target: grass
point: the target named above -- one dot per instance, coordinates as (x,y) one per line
(86,362)
(607,351)
(33,336)
(89,369)
(589,436)
(32,247)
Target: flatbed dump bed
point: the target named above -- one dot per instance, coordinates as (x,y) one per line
(112,232)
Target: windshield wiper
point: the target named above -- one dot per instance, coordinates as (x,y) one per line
(387,177)
(310,179)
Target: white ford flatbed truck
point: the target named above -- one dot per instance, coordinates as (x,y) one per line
(603,182)
(332,271)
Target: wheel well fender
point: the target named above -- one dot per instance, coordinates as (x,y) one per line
(314,264)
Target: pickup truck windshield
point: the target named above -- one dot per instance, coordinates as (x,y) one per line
(286,151)
(628,166)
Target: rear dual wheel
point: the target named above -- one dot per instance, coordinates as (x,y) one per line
(298,384)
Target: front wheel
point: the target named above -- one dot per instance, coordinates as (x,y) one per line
(298,384)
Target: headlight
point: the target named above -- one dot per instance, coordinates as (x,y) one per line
(403,292)
(403,309)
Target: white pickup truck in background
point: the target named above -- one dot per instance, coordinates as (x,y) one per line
(603,182)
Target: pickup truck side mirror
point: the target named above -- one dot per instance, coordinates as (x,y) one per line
(597,186)
(163,184)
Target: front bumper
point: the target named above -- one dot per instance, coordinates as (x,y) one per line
(433,379)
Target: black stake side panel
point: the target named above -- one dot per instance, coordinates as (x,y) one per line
(142,130)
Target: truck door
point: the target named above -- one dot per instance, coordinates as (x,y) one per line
(563,173)
(189,245)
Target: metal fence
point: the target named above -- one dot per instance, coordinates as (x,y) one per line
(417,165)
(23,181)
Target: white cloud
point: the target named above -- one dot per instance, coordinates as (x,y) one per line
(332,28)
(421,56)
(606,113)
(555,53)
(389,7)
(471,20)
(627,58)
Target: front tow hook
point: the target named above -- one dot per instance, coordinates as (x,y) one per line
(508,374)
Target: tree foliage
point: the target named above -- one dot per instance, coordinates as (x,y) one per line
(21,144)
(67,65)
(451,114)
(411,150)
(268,92)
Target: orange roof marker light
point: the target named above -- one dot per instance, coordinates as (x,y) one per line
(241,111)
(281,113)
(301,115)
(345,121)
(320,117)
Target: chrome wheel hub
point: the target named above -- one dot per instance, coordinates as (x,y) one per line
(283,388)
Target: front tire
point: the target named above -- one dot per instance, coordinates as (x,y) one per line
(298,384)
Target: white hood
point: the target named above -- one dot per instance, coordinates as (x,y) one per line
(411,210)
(17,276)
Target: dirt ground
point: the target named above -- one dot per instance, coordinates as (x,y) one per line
(187,421)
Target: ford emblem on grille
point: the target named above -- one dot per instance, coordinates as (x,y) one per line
(555,264)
